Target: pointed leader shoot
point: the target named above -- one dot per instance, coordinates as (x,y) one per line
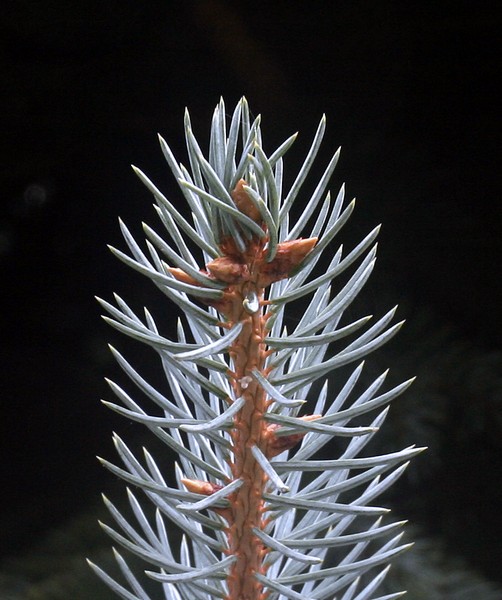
(239,412)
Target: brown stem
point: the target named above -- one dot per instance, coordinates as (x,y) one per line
(247,273)
(247,506)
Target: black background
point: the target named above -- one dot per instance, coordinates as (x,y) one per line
(409,90)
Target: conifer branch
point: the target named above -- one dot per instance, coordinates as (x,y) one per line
(263,516)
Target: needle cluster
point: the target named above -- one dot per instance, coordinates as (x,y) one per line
(262,516)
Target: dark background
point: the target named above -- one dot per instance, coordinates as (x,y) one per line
(409,92)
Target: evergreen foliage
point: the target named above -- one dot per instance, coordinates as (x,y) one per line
(249,412)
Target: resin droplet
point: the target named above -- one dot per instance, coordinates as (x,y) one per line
(251,303)
(245,381)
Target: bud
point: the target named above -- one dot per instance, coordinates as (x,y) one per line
(288,256)
(180,275)
(244,202)
(205,488)
(279,443)
(228,269)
